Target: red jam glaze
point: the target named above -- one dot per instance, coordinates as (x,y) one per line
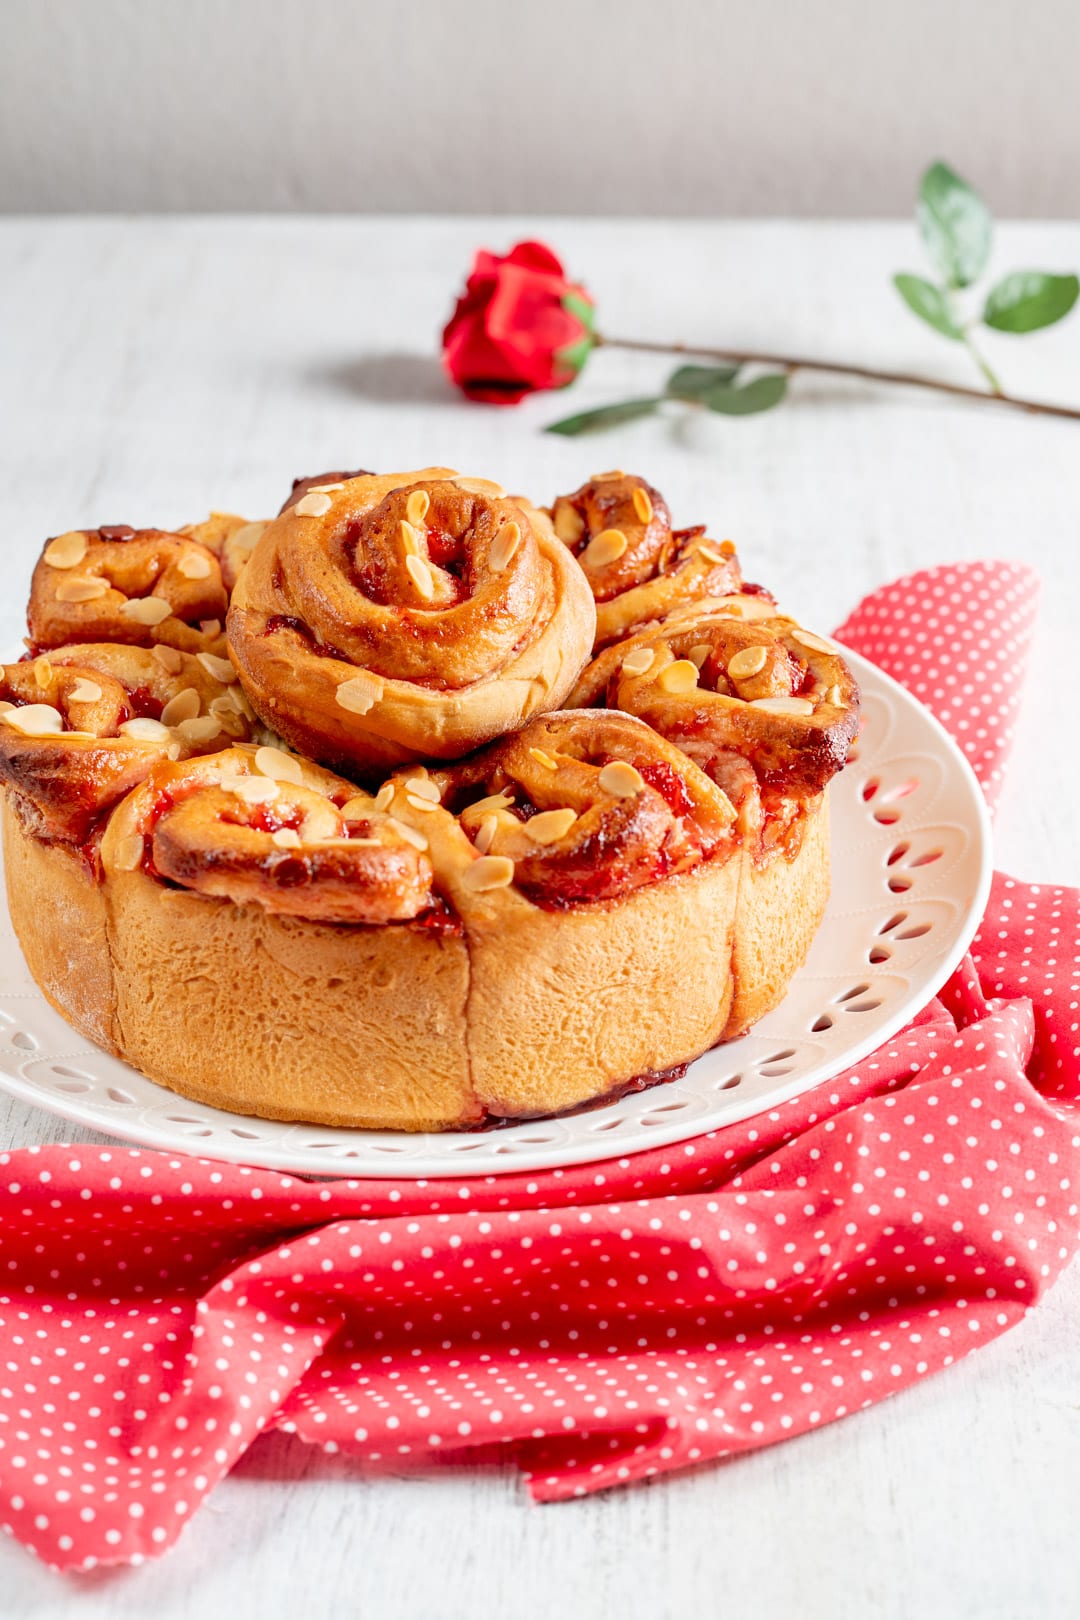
(285,621)
(670,786)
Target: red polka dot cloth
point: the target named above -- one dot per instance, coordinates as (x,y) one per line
(600,1324)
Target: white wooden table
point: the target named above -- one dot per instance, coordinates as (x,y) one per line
(153,368)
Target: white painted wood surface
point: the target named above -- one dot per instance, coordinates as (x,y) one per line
(152,369)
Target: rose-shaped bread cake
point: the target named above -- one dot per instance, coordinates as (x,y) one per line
(386,619)
(449,850)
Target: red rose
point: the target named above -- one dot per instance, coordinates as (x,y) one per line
(518,327)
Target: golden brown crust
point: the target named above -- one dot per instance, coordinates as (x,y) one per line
(595,896)
(410,616)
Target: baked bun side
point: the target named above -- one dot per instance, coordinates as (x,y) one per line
(58,909)
(565,1006)
(781,904)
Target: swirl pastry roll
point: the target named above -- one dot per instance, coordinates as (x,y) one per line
(415,615)
(141,587)
(639,568)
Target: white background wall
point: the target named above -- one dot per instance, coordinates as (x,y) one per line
(575,106)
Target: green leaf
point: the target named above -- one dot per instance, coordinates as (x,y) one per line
(582,308)
(955,225)
(1028,300)
(693,382)
(604,417)
(760,395)
(929,303)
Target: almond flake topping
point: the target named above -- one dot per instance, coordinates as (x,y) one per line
(286,838)
(384,797)
(806,638)
(697,655)
(184,706)
(129,852)
(642,505)
(485,836)
(148,610)
(170,659)
(252,789)
(604,548)
(210,627)
(360,693)
(639,662)
(81,589)
(145,730)
(43,670)
(489,872)
(410,834)
(747,662)
(504,546)
(323,489)
(835,696)
(569,525)
(481,486)
(247,537)
(542,757)
(35,720)
(416,507)
(494,801)
(710,555)
(681,676)
(356,809)
(424,788)
(313,504)
(783,705)
(280,766)
(84,691)
(203,729)
(410,541)
(420,574)
(608,477)
(193,565)
(621,780)
(219,668)
(550,825)
(67,550)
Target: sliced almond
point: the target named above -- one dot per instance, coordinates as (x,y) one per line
(384,797)
(608,477)
(148,610)
(681,676)
(835,696)
(417,505)
(747,662)
(248,537)
(424,788)
(200,730)
(550,825)
(360,693)
(81,589)
(184,706)
(35,720)
(67,550)
(504,546)
(320,489)
(806,638)
(410,540)
(494,801)
(569,525)
(43,671)
(481,486)
(313,504)
(357,809)
(129,852)
(420,573)
(252,789)
(415,803)
(286,838)
(604,548)
(220,668)
(642,505)
(410,834)
(145,730)
(170,659)
(710,555)
(783,705)
(193,565)
(639,661)
(697,655)
(542,757)
(280,766)
(84,691)
(485,836)
(489,872)
(620,779)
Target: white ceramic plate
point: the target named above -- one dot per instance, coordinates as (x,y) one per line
(911,874)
